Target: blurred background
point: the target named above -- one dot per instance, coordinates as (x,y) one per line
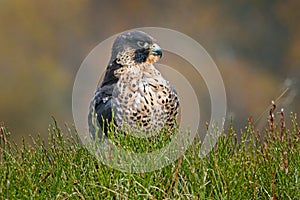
(42,44)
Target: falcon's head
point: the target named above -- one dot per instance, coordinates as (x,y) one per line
(131,48)
(135,47)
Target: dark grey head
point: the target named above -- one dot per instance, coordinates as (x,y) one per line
(143,45)
(141,42)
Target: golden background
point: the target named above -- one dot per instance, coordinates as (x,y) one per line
(256,46)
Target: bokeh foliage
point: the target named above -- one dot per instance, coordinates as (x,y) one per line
(42,44)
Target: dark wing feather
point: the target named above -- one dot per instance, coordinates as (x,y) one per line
(109,77)
(100,112)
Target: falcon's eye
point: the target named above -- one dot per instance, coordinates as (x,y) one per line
(143,44)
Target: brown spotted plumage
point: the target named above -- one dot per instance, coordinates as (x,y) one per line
(134,93)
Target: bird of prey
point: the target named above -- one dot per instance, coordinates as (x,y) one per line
(133,92)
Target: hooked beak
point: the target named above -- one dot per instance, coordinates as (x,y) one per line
(156,50)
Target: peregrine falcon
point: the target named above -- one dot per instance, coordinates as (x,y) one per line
(133,92)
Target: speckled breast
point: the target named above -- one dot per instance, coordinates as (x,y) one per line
(144,99)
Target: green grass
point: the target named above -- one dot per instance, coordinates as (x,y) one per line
(257,165)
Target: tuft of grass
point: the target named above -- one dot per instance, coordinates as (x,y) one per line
(258,165)
(131,141)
